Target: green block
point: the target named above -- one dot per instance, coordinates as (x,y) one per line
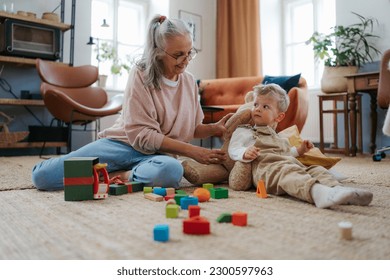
(118,189)
(225,218)
(178,197)
(77,192)
(172,210)
(148,189)
(218,193)
(79,166)
(180,192)
(208,186)
(135,186)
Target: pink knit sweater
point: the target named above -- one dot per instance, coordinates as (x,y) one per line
(148,114)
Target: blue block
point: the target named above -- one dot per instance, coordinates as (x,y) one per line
(187,201)
(160,191)
(161,233)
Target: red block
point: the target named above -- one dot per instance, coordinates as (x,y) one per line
(71,181)
(239,219)
(196,225)
(193,210)
(169,196)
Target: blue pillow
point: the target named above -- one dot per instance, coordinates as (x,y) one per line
(286,82)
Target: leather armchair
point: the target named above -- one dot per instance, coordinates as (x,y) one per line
(70,97)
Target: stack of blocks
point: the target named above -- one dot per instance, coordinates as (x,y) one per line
(79,178)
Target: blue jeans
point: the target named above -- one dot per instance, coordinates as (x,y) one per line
(154,170)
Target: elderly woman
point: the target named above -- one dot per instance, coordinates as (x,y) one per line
(161,115)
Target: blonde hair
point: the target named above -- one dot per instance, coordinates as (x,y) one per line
(276,92)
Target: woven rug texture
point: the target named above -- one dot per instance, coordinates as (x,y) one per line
(41,225)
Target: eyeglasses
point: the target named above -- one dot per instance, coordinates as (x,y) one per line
(180,59)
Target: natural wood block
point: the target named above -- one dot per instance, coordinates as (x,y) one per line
(153,197)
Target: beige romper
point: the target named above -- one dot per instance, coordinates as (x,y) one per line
(281,172)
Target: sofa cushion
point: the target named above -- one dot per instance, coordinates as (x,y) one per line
(286,82)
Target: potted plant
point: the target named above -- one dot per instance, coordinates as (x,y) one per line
(106,52)
(343,51)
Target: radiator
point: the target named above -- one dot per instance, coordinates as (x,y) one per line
(311,130)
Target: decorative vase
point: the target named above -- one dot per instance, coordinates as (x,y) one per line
(333,78)
(102,81)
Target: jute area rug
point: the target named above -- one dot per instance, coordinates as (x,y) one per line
(41,225)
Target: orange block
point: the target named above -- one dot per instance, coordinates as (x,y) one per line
(261,191)
(202,194)
(239,219)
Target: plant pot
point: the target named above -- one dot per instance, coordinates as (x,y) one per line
(333,78)
(102,81)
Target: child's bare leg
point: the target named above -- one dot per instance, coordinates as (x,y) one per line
(325,197)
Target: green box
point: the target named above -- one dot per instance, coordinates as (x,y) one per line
(218,193)
(118,189)
(79,166)
(78,193)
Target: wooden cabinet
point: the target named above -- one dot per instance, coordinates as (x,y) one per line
(24,61)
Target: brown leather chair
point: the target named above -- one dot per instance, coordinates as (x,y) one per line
(384,99)
(70,97)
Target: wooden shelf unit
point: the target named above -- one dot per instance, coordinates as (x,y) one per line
(62,26)
(22,61)
(28,102)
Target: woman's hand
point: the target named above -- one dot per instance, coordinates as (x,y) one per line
(220,127)
(207,156)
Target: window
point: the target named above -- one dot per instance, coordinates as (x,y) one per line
(126,20)
(302,18)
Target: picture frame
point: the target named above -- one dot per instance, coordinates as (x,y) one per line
(195,23)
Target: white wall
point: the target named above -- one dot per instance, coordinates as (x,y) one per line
(378,9)
(203,66)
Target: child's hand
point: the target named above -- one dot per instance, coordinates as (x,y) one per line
(305,147)
(251,153)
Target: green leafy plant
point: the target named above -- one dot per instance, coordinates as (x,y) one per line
(347,45)
(107,52)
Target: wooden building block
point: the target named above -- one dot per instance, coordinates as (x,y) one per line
(193,211)
(196,225)
(79,166)
(169,196)
(219,193)
(153,197)
(178,197)
(187,201)
(239,219)
(161,233)
(180,192)
(78,192)
(116,189)
(208,186)
(202,194)
(172,210)
(170,191)
(160,191)
(225,218)
(148,189)
(134,186)
(261,190)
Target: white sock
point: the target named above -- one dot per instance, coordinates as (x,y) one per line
(325,197)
